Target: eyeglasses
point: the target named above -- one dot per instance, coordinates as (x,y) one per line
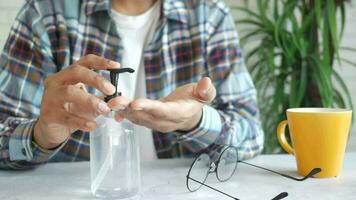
(224,168)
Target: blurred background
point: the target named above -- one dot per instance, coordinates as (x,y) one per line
(283,28)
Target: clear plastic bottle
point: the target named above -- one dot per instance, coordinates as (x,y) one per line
(114,158)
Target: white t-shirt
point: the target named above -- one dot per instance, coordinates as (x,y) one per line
(135,33)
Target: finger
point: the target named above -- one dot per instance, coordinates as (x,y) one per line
(119,117)
(79,74)
(119,103)
(146,119)
(101,97)
(169,111)
(76,101)
(93,61)
(74,122)
(205,90)
(138,117)
(154,107)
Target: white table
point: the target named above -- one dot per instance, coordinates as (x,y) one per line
(165,179)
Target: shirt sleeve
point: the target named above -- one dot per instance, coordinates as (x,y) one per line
(22,65)
(233,118)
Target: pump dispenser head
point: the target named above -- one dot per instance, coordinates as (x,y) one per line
(114,79)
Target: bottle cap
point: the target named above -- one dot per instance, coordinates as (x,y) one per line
(114,79)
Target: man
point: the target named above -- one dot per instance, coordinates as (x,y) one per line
(195,93)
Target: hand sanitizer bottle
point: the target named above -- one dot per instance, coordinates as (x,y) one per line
(114,154)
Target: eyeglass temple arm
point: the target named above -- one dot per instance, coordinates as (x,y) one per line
(281,195)
(311,173)
(213,188)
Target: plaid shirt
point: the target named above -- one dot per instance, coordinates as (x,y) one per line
(195,38)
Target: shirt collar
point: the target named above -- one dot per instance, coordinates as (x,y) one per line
(172,9)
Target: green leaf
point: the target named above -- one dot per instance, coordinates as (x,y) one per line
(318,11)
(252,53)
(306,24)
(331,14)
(281,34)
(252,34)
(326,45)
(276,9)
(338,99)
(323,80)
(343,20)
(262,6)
(348,61)
(250,22)
(348,48)
(302,83)
(344,88)
(247,11)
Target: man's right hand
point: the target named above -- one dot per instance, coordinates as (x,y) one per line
(66,107)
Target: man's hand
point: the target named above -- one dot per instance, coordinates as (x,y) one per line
(66,106)
(181,110)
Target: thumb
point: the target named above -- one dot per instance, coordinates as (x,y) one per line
(205,90)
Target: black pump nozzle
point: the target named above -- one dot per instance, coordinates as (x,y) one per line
(114,79)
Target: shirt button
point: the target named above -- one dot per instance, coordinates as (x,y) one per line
(23,150)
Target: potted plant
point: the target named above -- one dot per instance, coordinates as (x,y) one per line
(293,60)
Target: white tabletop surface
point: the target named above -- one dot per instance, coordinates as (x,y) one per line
(165,179)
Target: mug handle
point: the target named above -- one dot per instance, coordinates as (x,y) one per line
(281,135)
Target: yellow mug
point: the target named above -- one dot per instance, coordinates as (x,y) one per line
(319,137)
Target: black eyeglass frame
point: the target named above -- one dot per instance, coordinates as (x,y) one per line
(216,166)
(209,171)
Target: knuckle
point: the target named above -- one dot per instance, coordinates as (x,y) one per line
(92,102)
(90,56)
(72,67)
(81,86)
(68,107)
(104,61)
(162,114)
(98,79)
(69,90)
(77,70)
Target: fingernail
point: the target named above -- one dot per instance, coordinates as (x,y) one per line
(119,118)
(103,107)
(114,64)
(137,109)
(108,87)
(90,125)
(119,107)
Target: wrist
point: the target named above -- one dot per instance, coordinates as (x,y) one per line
(192,123)
(40,140)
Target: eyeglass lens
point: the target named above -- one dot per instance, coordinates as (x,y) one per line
(227,164)
(198,171)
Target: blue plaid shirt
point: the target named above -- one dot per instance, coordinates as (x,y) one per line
(194,39)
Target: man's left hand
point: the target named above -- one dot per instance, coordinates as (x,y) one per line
(179,111)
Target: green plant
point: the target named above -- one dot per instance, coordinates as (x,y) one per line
(298,43)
